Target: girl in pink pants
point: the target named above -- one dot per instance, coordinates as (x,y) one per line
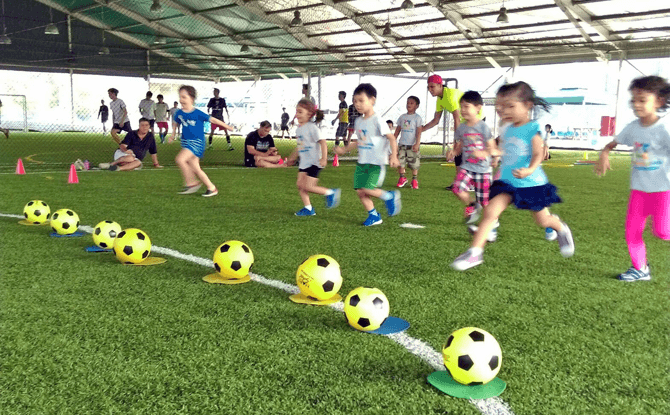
(650,177)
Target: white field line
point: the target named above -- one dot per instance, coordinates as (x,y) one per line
(491,406)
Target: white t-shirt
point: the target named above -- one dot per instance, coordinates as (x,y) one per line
(147,109)
(161,110)
(409,124)
(117,106)
(651,155)
(309,149)
(373,146)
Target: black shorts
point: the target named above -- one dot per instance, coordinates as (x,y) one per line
(312,171)
(341,130)
(125,127)
(284,128)
(458,160)
(151,123)
(104,119)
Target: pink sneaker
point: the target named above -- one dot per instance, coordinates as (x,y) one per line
(415,184)
(402,181)
(469,210)
(281,161)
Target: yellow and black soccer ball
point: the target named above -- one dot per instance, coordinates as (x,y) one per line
(105,232)
(366,309)
(64,222)
(472,356)
(319,277)
(233,259)
(132,246)
(37,212)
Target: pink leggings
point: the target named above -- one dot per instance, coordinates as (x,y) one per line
(641,205)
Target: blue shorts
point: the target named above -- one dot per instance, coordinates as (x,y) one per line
(196,147)
(533,198)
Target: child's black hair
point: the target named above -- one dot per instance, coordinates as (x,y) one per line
(149,94)
(524,93)
(113,91)
(344,94)
(159,96)
(416,99)
(654,84)
(389,122)
(472,97)
(366,89)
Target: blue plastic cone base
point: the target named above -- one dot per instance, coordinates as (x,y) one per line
(71,235)
(443,381)
(95,248)
(391,325)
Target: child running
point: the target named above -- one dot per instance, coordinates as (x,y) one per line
(650,177)
(522,180)
(474,140)
(409,129)
(374,138)
(313,157)
(192,142)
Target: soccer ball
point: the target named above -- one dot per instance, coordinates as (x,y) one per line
(105,232)
(472,356)
(37,212)
(319,277)
(366,309)
(233,259)
(64,222)
(132,246)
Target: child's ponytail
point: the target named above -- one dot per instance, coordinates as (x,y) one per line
(319,115)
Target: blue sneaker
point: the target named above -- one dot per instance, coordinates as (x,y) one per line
(550,234)
(373,220)
(333,201)
(393,205)
(634,274)
(305,212)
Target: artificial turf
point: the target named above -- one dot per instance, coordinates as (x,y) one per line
(81,333)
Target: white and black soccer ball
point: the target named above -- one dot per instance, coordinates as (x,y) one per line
(366,309)
(472,356)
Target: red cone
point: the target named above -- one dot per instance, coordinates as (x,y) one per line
(19,167)
(336,161)
(72,178)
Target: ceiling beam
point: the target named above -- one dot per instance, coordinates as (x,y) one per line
(568,7)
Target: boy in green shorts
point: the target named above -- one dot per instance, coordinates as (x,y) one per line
(374,139)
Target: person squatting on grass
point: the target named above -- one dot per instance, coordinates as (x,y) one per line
(133,148)
(313,153)
(193,142)
(374,138)
(474,141)
(650,176)
(522,180)
(409,130)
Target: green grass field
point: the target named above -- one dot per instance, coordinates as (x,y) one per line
(82,334)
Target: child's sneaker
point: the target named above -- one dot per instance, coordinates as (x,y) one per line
(634,274)
(472,214)
(415,184)
(373,220)
(565,241)
(401,182)
(393,205)
(280,162)
(333,201)
(305,212)
(210,193)
(467,260)
(550,234)
(187,190)
(491,237)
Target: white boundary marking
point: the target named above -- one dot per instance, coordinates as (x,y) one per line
(490,406)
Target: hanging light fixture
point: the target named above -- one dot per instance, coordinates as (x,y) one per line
(160,40)
(502,16)
(406,5)
(156,7)
(4,39)
(244,48)
(51,28)
(297,21)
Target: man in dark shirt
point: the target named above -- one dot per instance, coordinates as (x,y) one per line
(215,107)
(260,150)
(103,113)
(133,148)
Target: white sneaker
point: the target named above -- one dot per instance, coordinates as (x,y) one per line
(491,237)
(550,234)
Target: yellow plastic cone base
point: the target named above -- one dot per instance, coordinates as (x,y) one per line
(151,261)
(303,299)
(25,222)
(218,279)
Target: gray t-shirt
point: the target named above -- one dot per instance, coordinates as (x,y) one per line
(409,124)
(474,138)
(147,109)
(373,146)
(117,107)
(161,109)
(309,149)
(651,155)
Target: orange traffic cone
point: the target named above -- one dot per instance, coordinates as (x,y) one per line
(72,178)
(336,161)
(19,167)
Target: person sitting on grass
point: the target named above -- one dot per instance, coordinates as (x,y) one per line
(5,131)
(260,150)
(133,148)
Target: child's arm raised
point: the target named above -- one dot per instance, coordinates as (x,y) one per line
(536,160)
(603,164)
